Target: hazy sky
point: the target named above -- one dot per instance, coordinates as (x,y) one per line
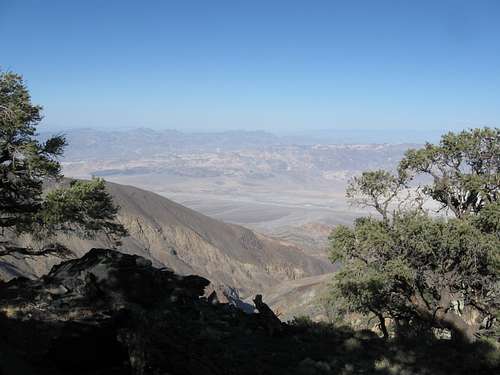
(274,65)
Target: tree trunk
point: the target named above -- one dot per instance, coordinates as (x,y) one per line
(383,327)
(460,330)
(445,318)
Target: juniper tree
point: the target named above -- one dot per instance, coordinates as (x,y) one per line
(26,165)
(416,269)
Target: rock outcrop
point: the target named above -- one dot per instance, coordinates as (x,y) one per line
(80,317)
(109,313)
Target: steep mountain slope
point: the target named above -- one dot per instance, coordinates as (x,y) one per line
(191,243)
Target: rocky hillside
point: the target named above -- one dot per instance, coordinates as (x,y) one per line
(190,243)
(112,313)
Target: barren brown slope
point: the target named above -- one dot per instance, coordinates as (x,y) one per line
(189,242)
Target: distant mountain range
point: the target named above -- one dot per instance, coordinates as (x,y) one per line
(242,154)
(96,144)
(148,142)
(285,187)
(236,139)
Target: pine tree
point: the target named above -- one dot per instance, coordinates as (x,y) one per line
(418,270)
(27,165)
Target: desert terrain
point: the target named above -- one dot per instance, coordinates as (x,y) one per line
(293,192)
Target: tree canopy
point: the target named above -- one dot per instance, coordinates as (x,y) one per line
(413,268)
(27,165)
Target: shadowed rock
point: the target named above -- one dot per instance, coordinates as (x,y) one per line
(109,313)
(267,317)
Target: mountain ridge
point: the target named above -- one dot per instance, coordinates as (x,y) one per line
(188,242)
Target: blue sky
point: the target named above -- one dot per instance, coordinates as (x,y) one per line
(283,66)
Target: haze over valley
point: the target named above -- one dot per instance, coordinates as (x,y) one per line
(275,185)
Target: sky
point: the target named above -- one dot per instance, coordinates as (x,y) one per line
(283,66)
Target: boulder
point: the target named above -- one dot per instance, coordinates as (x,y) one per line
(88,314)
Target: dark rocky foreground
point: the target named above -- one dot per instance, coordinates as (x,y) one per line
(111,313)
